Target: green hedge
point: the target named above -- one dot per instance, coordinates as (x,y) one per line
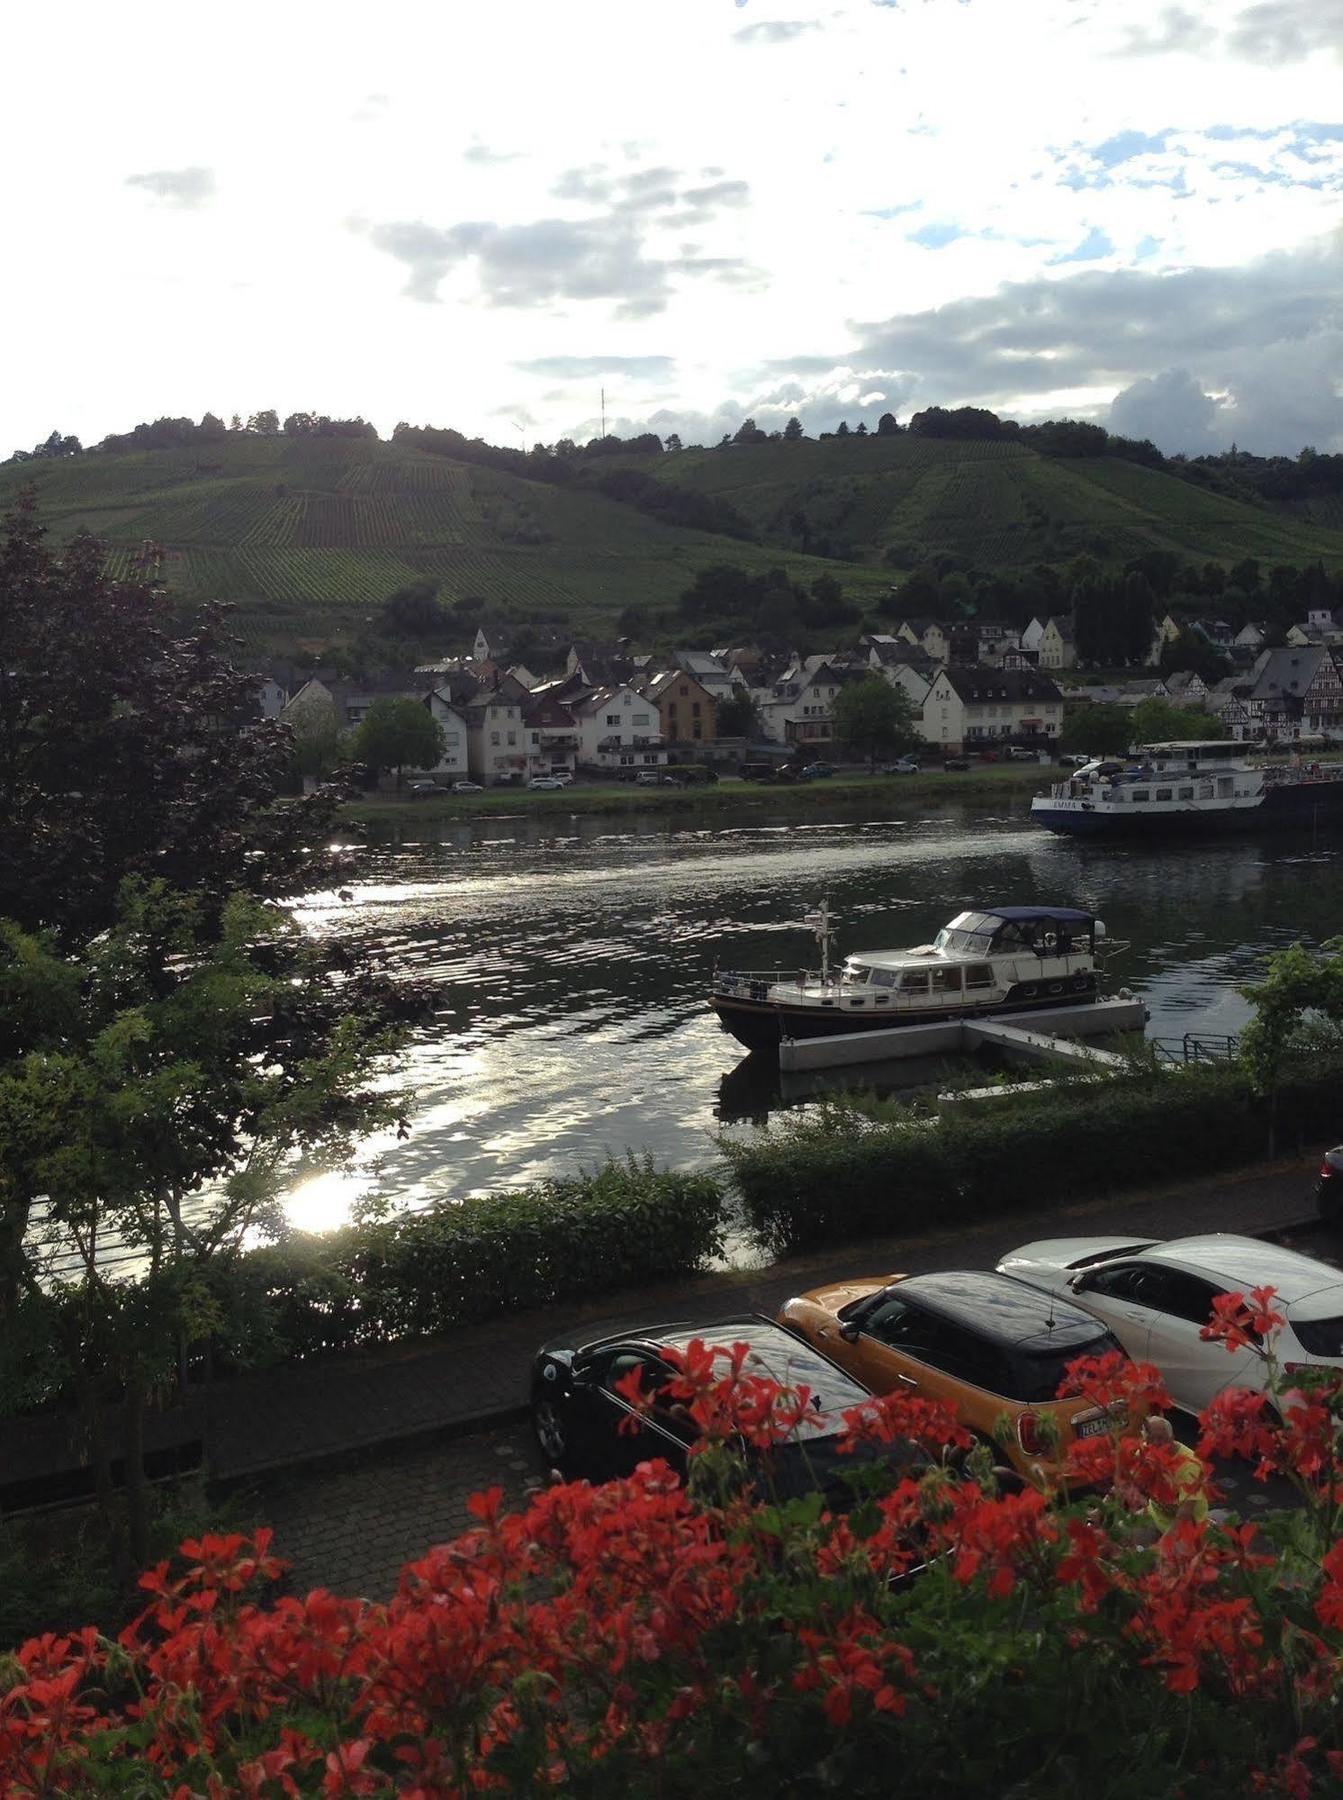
(417,1274)
(818,1180)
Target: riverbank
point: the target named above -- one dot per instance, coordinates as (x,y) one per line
(727,797)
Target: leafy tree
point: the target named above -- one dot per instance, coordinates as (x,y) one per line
(212,428)
(1191,650)
(842,429)
(320,746)
(126,750)
(750,433)
(887,425)
(874,719)
(398,734)
(300,424)
(413,611)
(1158,721)
(235,423)
(737,716)
(1097,731)
(265,424)
(672,441)
(792,431)
(861,430)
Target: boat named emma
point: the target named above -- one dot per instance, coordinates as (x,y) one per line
(998,959)
(1191,787)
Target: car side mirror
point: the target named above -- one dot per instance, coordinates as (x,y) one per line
(850,1331)
(1078,1284)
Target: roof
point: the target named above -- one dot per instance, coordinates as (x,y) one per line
(1000,684)
(1062,915)
(999,1308)
(1289,671)
(1250,1262)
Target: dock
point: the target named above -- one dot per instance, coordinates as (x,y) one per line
(1044,1034)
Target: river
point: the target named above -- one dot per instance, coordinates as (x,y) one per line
(572,957)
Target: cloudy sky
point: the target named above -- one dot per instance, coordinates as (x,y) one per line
(481,214)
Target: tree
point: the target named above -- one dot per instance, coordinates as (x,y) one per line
(413,611)
(792,431)
(212,428)
(1097,731)
(887,425)
(265,424)
(672,441)
(398,734)
(737,716)
(861,430)
(750,433)
(1158,721)
(126,750)
(842,429)
(874,719)
(300,424)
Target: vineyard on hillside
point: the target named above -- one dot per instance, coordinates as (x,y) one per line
(306,537)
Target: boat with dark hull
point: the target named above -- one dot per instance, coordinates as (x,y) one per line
(1191,788)
(994,960)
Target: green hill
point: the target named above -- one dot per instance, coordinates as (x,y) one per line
(307,535)
(999,504)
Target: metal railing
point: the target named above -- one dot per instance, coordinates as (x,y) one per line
(1195,1047)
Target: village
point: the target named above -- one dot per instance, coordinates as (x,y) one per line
(974,688)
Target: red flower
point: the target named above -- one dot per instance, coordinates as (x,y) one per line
(1240,1323)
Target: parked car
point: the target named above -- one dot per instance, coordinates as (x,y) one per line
(422,790)
(467,787)
(1156,1297)
(1021,753)
(1329,1186)
(547,783)
(989,1347)
(694,774)
(955,762)
(903,765)
(757,771)
(1076,760)
(817,771)
(589,1431)
(649,778)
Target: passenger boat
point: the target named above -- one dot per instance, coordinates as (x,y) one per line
(994,960)
(1191,787)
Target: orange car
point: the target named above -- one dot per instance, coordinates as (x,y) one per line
(990,1347)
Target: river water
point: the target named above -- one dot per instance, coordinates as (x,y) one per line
(572,957)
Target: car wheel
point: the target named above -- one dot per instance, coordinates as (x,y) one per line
(549,1429)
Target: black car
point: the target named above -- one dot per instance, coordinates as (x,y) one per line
(577,1413)
(1329,1187)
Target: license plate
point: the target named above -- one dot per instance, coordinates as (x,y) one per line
(1093,1427)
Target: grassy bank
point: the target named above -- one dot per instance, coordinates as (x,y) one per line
(726,798)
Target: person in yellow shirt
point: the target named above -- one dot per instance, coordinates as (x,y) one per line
(1190,1477)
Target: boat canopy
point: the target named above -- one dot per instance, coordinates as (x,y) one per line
(1048,930)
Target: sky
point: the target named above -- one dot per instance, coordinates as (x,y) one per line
(481,215)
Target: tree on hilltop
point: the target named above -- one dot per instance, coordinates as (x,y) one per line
(887,425)
(265,424)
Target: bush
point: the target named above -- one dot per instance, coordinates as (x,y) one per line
(814,1180)
(411,1276)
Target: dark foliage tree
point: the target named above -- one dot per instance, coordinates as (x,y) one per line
(413,611)
(887,425)
(265,423)
(874,719)
(792,431)
(749,433)
(842,429)
(128,750)
(1097,731)
(672,442)
(398,734)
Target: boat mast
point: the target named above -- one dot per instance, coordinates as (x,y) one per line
(821,922)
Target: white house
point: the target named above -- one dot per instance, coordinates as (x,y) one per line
(618,729)
(800,706)
(928,634)
(496,737)
(1030,637)
(1057,649)
(1250,637)
(969,709)
(1186,687)
(552,736)
(270,697)
(454,761)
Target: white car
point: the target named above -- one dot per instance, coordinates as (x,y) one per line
(549,783)
(467,787)
(1156,1296)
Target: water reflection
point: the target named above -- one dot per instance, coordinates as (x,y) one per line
(572,957)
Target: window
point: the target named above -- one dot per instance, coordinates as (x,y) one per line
(1119,1284)
(639,719)
(937,1342)
(946,981)
(914,981)
(1179,1295)
(613,718)
(979,975)
(1141,794)
(1186,793)
(1319,1337)
(512,739)
(694,709)
(494,740)
(1163,793)
(696,729)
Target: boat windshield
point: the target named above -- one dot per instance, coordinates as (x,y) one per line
(968,933)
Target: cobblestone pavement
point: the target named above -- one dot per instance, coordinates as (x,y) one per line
(351,1527)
